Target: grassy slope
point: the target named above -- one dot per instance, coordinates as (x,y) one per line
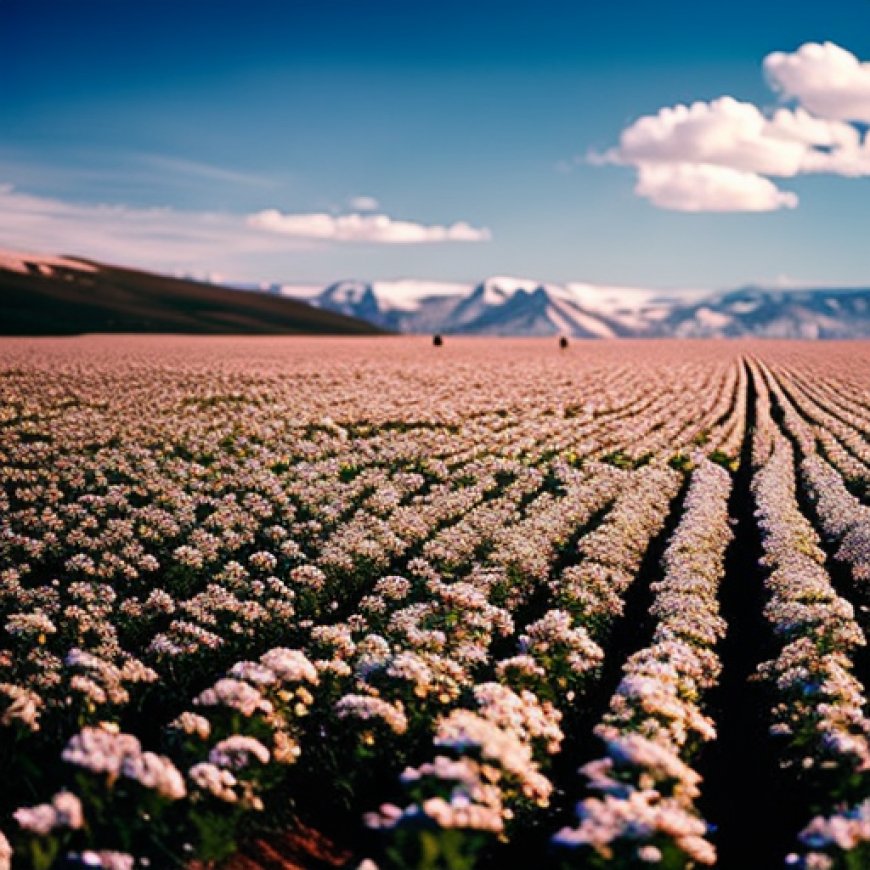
(69,301)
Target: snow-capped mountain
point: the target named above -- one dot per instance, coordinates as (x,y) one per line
(516,306)
(756,311)
(497,306)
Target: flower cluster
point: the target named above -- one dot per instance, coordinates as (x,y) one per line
(839,840)
(115,755)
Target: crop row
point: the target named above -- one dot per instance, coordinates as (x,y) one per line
(381,595)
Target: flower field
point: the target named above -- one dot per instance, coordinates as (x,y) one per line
(371,603)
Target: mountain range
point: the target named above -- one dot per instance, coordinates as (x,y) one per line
(41,294)
(513,306)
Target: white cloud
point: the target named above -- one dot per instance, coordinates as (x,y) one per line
(825,78)
(371,228)
(715,156)
(695,187)
(730,133)
(724,132)
(363,203)
(167,239)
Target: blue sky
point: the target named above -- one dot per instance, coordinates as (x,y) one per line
(203,137)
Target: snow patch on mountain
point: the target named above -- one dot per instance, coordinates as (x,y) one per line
(408,294)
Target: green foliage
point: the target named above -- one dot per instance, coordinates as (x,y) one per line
(681,462)
(619,459)
(723,459)
(438,849)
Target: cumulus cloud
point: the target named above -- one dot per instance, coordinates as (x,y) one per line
(720,155)
(730,133)
(825,78)
(706,187)
(371,228)
(363,203)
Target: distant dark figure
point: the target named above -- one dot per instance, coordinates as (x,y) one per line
(563,343)
(437,340)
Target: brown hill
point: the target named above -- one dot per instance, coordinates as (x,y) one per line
(66,296)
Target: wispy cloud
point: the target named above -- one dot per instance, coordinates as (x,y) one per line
(370,228)
(720,155)
(116,175)
(198,169)
(162,238)
(172,239)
